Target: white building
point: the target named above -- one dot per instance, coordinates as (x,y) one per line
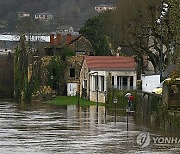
(150,82)
(5,51)
(44,16)
(65,29)
(9,42)
(102,8)
(16,38)
(23,15)
(100,72)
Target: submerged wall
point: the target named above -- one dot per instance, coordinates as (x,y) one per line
(6,76)
(152,111)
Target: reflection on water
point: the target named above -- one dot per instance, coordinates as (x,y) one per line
(41,128)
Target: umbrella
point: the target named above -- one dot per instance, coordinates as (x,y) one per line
(128,94)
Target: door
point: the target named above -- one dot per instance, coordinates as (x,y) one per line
(71,89)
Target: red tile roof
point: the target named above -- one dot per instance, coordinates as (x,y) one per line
(110,62)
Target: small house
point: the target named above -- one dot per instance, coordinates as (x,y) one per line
(23,15)
(65,29)
(43,16)
(77,43)
(102,8)
(98,73)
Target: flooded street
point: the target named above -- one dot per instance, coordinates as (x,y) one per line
(48,129)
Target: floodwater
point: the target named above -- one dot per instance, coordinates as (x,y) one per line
(39,128)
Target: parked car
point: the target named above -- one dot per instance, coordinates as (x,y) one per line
(158,90)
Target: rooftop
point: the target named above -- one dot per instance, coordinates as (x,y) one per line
(43,13)
(103,5)
(110,62)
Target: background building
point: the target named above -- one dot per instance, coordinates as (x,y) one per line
(44,16)
(102,8)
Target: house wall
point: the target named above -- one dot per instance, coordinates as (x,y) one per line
(74,62)
(84,75)
(93,96)
(82,46)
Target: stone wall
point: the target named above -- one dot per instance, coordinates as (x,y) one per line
(152,111)
(74,62)
(171,93)
(6,76)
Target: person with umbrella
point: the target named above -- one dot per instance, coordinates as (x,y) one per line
(130,98)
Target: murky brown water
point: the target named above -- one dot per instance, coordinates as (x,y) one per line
(40,128)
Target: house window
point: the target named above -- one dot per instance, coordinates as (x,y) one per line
(119,82)
(85,84)
(122,82)
(72,72)
(131,82)
(84,73)
(96,83)
(125,82)
(102,83)
(112,80)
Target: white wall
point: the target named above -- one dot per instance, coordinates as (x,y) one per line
(150,82)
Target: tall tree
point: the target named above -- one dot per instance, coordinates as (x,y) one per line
(174,28)
(22,87)
(94,30)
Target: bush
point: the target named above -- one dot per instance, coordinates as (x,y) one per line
(122,101)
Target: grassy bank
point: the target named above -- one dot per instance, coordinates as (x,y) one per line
(71,100)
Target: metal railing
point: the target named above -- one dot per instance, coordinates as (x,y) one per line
(123,87)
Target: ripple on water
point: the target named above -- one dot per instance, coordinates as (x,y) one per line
(41,128)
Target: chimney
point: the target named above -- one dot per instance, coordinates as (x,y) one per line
(58,39)
(51,39)
(117,54)
(68,38)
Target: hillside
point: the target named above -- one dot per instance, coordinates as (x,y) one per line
(65,12)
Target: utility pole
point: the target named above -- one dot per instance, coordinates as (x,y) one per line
(160,20)
(161,53)
(97,89)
